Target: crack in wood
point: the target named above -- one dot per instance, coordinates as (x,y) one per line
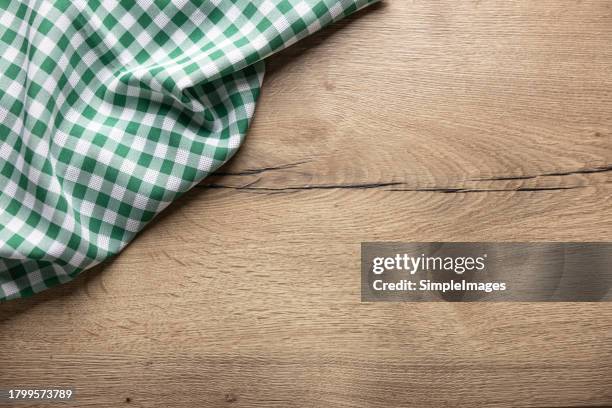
(364,186)
(491,190)
(260,170)
(599,169)
(357,186)
(250,172)
(378,185)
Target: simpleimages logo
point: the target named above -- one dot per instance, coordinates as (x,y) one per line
(413,264)
(486,271)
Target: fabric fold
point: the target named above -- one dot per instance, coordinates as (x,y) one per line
(109,110)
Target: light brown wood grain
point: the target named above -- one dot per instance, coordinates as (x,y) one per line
(412,121)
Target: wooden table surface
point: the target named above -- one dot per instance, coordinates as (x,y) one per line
(412,121)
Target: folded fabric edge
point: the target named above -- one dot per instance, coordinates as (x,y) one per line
(34,282)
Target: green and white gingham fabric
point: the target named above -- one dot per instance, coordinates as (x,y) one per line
(109,110)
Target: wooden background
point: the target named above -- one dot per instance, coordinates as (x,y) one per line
(411,121)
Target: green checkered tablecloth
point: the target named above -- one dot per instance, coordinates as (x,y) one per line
(109,110)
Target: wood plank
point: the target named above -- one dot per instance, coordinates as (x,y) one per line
(413,121)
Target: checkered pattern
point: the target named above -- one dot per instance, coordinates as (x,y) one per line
(109,110)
